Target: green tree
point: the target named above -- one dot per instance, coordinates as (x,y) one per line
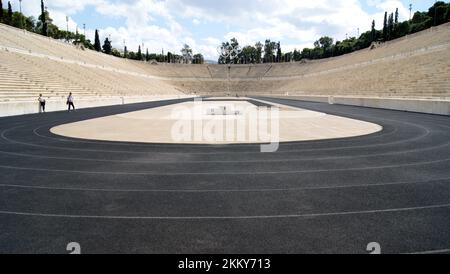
(373,32)
(323,47)
(19,20)
(198,59)
(297,55)
(1,11)
(248,55)
(396,16)
(279,53)
(97,45)
(10,13)
(420,21)
(45,25)
(324,42)
(43,18)
(438,12)
(107,47)
(402,29)
(169,57)
(30,23)
(385,27)
(116,53)
(147,56)
(139,54)
(269,51)
(391,26)
(258,53)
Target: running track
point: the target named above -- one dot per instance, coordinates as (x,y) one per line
(330,196)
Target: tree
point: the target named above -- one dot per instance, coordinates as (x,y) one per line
(373,33)
(324,42)
(391,26)
(107,48)
(97,45)
(147,56)
(1,11)
(269,49)
(186,51)
(169,57)
(198,59)
(438,12)
(43,18)
(248,55)
(396,16)
(10,13)
(30,23)
(447,15)
(297,55)
(258,56)
(20,21)
(279,54)
(385,27)
(125,51)
(116,53)
(139,54)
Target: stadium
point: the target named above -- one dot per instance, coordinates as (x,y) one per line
(331,155)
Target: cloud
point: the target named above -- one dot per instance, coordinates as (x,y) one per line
(164,23)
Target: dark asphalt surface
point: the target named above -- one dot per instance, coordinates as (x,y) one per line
(329,196)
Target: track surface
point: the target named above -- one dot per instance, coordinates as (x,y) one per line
(331,196)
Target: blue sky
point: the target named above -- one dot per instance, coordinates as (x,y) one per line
(203,24)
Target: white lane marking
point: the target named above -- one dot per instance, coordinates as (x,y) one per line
(391,210)
(431,251)
(227,173)
(224,190)
(427,132)
(230,161)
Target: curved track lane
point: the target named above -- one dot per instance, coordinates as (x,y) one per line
(329,196)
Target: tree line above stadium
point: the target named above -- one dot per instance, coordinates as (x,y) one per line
(325,47)
(44,26)
(269,52)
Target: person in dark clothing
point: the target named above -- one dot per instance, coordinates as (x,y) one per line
(70,102)
(41,103)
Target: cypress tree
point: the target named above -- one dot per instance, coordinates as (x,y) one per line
(1,11)
(396,16)
(139,54)
(43,19)
(391,26)
(10,13)
(147,56)
(125,52)
(385,27)
(97,45)
(279,52)
(374,32)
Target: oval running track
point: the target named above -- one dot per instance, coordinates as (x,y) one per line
(328,196)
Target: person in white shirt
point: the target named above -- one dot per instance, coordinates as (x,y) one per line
(70,101)
(41,101)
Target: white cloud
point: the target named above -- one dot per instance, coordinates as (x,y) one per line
(159,23)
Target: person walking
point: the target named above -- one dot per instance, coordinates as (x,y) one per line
(70,101)
(41,101)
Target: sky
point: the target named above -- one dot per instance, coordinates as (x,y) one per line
(166,25)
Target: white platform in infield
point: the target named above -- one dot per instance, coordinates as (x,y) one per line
(217,122)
